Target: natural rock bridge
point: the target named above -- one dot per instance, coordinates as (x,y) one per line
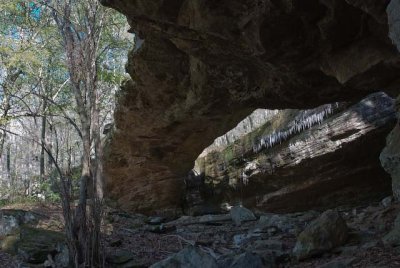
(204,65)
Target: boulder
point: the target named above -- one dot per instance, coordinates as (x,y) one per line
(241,214)
(35,245)
(189,257)
(120,257)
(11,220)
(321,235)
(393,237)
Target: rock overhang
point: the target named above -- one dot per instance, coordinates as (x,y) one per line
(204,65)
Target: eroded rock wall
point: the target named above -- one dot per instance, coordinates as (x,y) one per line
(204,65)
(323,164)
(390,156)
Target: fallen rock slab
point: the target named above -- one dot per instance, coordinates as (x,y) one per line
(189,257)
(321,235)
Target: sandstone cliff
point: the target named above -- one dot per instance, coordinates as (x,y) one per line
(203,66)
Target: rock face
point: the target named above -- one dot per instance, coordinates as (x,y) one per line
(201,66)
(323,234)
(390,156)
(11,220)
(312,157)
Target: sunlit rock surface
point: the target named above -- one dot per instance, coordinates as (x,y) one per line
(203,66)
(320,164)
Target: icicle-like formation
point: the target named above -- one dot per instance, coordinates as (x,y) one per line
(308,119)
(245,178)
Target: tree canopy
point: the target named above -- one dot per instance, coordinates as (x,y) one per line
(61,63)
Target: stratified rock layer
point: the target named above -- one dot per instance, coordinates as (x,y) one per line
(335,161)
(204,65)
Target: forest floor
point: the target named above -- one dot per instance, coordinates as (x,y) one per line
(150,239)
(364,247)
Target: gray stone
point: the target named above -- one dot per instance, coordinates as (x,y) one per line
(370,245)
(130,264)
(120,257)
(393,12)
(159,229)
(269,250)
(387,201)
(341,263)
(156,220)
(282,222)
(241,239)
(308,216)
(189,257)
(390,159)
(11,220)
(214,218)
(267,244)
(241,214)
(347,250)
(269,257)
(33,246)
(62,257)
(323,234)
(247,260)
(393,237)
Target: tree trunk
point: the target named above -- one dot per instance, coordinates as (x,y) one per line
(42,151)
(8,156)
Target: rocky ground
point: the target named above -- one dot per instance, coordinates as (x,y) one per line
(271,236)
(364,236)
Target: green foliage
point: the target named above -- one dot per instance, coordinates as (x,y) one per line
(47,189)
(32,47)
(20,199)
